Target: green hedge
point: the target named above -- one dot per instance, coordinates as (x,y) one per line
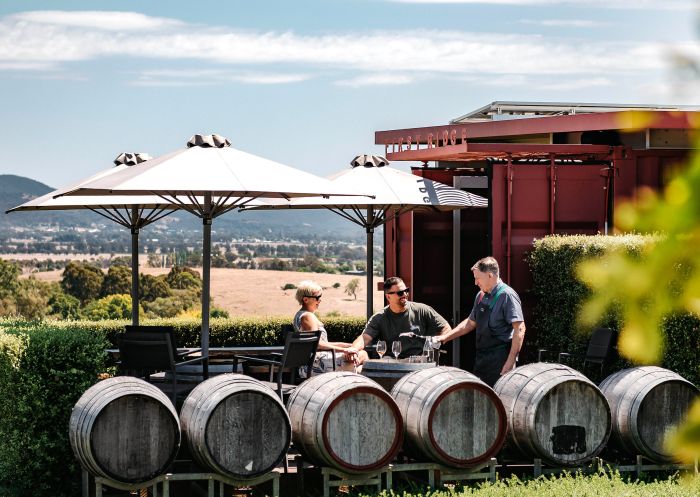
(559,296)
(223,331)
(44,369)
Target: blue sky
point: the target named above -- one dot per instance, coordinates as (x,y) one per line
(307,83)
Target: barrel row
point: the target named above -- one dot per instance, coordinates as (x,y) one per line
(126,430)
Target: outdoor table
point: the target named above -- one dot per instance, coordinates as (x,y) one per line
(221,359)
(220,352)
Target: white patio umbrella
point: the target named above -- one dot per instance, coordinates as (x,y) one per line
(395,192)
(208,179)
(123,210)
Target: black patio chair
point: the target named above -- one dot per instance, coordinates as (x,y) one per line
(144,353)
(289,328)
(601,348)
(299,351)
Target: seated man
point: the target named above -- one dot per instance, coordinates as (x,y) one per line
(399,320)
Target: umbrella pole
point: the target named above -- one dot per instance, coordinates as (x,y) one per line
(206,282)
(370,261)
(134,267)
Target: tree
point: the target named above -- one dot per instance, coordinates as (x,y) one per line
(353,287)
(32,298)
(81,280)
(64,306)
(183,278)
(9,278)
(117,281)
(153,287)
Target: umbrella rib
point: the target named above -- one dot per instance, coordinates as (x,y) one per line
(359,215)
(343,214)
(106,213)
(156,214)
(240,202)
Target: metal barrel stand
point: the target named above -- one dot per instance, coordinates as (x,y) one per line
(439,474)
(163,482)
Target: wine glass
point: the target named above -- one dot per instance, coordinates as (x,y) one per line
(396,348)
(381,348)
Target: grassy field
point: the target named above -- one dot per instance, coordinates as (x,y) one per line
(246,292)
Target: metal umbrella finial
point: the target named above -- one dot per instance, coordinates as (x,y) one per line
(367,160)
(208,141)
(131,159)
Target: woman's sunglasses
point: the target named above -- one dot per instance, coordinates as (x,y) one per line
(400,293)
(317,297)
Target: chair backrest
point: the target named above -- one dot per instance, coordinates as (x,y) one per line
(600,345)
(286,328)
(300,348)
(157,333)
(147,350)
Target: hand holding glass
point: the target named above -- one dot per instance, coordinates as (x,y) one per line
(396,348)
(381,348)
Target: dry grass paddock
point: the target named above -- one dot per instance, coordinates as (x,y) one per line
(247,292)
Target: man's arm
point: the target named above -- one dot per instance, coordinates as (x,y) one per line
(361,342)
(516,344)
(447,333)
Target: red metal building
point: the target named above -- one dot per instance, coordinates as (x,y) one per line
(545,168)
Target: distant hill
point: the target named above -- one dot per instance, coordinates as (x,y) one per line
(15,190)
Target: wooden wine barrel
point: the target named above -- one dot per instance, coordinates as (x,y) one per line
(554,413)
(236,426)
(645,403)
(124,429)
(387,372)
(346,421)
(450,417)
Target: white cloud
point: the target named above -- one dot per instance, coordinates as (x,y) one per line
(199,77)
(572,23)
(383,57)
(108,21)
(384,79)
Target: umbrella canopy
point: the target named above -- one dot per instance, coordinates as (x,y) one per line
(129,212)
(208,179)
(394,192)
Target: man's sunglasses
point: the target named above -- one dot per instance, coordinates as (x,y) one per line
(400,293)
(317,297)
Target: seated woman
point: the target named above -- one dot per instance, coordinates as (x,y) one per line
(309,297)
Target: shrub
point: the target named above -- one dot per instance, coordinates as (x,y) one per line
(560,294)
(336,285)
(44,369)
(109,307)
(289,286)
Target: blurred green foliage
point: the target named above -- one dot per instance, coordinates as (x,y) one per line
(664,281)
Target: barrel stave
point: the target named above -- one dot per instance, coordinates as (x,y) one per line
(554,413)
(236,426)
(450,416)
(124,429)
(346,421)
(646,402)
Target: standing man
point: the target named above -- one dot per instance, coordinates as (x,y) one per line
(497,317)
(396,322)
